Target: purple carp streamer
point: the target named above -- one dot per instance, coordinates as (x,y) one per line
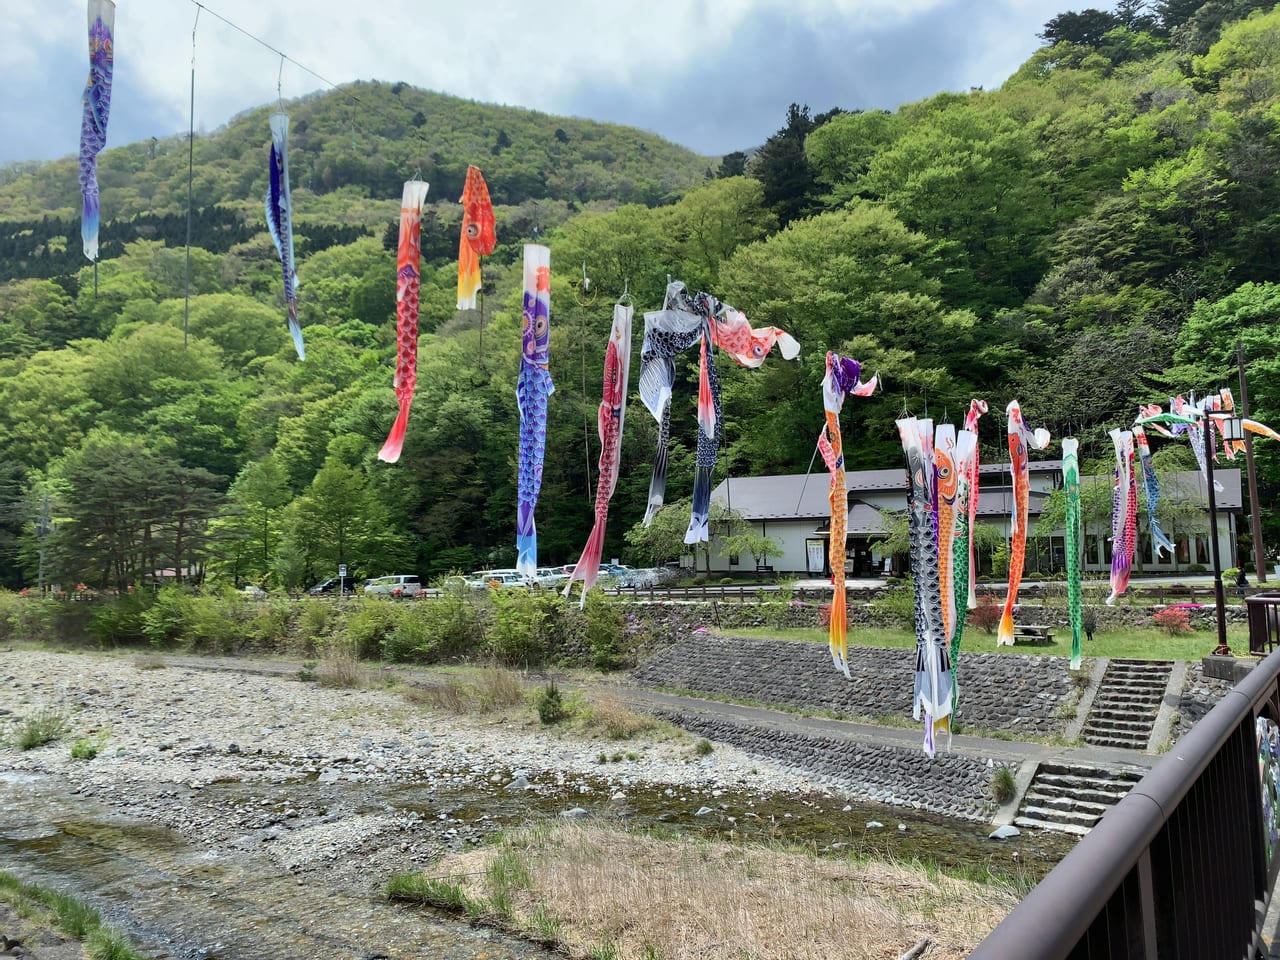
(533,388)
(932,695)
(613,410)
(842,379)
(279,210)
(97,108)
(1124,514)
(1021,436)
(1151,484)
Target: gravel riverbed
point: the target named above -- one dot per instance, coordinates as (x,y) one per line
(302,773)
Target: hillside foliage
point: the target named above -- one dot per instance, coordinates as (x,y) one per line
(1098,231)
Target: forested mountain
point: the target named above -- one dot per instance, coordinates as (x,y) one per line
(1098,231)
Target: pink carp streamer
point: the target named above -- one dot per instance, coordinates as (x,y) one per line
(93,123)
(613,410)
(1124,514)
(749,346)
(1021,437)
(408,254)
(842,379)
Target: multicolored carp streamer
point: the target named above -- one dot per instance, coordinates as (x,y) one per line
(965,461)
(1124,514)
(842,379)
(667,333)
(279,210)
(613,410)
(1021,437)
(932,695)
(1151,483)
(478,237)
(533,388)
(683,321)
(408,254)
(97,108)
(1071,486)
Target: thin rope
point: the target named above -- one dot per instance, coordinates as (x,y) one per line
(283,56)
(806,478)
(586,405)
(191,147)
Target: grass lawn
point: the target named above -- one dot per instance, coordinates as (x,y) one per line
(1139,643)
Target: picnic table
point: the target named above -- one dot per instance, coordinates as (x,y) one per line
(1033,633)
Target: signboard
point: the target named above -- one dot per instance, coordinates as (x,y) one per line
(815,555)
(342,569)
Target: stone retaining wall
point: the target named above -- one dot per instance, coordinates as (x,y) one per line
(1027,695)
(681,616)
(949,784)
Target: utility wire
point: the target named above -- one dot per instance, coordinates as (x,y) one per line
(280,53)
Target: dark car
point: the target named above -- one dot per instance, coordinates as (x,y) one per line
(334,585)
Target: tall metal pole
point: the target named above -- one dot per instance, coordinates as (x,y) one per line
(1255,514)
(1219,599)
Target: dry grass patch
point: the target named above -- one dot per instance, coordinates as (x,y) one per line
(491,690)
(602,891)
(340,667)
(617,721)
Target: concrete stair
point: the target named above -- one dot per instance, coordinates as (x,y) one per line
(1072,798)
(1128,701)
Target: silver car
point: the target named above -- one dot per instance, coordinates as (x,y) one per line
(400,585)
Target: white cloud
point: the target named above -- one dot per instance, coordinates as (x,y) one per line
(660,57)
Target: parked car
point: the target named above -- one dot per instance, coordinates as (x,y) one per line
(550,577)
(253,592)
(398,585)
(499,579)
(334,585)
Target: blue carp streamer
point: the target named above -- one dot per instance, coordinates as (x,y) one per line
(97,107)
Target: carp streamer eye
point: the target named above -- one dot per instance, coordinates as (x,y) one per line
(473,231)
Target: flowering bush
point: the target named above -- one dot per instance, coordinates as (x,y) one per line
(1173,620)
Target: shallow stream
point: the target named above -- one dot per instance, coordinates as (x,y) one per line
(231,901)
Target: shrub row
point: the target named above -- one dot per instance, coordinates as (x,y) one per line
(514,627)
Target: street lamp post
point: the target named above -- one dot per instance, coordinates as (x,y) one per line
(1231,430)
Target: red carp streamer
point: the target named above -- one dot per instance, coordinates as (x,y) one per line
(407,280)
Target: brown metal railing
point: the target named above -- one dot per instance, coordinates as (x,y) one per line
(1184,865)
(1264,622)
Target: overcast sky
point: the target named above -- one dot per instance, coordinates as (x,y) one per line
(713,75)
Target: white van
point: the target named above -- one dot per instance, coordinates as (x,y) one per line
(401,585)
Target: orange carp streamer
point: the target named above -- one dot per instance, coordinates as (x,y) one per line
(841,380)
(478,237)
(408,278)
(1020,438)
